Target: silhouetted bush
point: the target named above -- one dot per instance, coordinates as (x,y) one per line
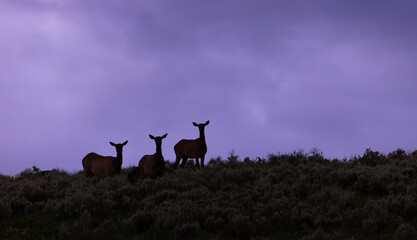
(187,230)
(405,232)
(284,196)
(397,154)
(371,158)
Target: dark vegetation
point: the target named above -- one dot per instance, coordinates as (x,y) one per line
(285,196)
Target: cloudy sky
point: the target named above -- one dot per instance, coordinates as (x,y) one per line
(271,76)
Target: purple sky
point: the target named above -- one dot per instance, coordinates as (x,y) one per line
(271,76)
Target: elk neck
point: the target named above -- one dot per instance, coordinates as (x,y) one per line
(203,138)
(117,164)
(158,153)
(119,157)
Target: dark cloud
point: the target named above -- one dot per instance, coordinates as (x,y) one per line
(270,76)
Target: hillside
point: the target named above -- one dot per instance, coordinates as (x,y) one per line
(287,196)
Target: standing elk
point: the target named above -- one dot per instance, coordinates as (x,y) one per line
(101,166)
(196,148)
(151,165)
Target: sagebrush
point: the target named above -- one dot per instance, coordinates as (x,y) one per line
(284,196)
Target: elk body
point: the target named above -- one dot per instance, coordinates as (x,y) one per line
(103,166)
(152,165)
(196,148)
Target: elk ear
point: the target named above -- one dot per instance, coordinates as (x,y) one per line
(207,123)
(195,124)
(125,143)
(166,134)
(111,143)
(152,137)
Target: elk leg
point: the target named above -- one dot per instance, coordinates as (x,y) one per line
(184,161)
(177,161)
(197,163)
(202,162)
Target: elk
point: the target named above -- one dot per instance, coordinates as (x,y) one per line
(152,165)
(196,148)
(103,166)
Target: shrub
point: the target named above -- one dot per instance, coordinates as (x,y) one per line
(397,154)
(285,196)
(187,230)
(215,162)
(371,158)
(319,234)
(405,232)
(5,208)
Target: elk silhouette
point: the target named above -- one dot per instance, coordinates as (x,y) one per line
(151,165)
(101,166)
(196,148)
